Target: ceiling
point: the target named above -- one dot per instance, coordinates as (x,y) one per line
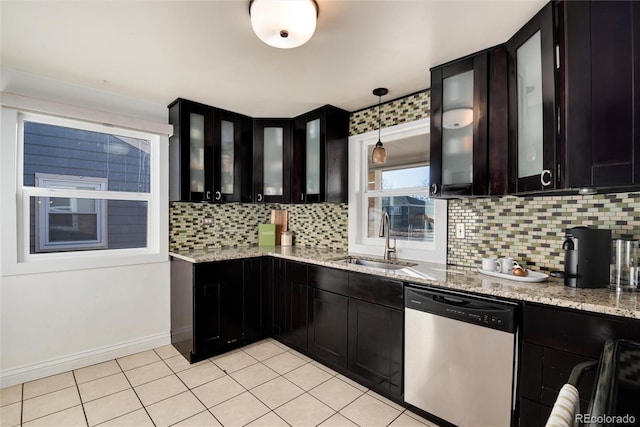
(206,50)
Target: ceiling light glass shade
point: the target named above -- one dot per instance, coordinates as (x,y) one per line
(457,118)
(284,23)
(379,154)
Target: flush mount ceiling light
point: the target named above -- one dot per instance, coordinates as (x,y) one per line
(457,118)
(379,154)
(284,23)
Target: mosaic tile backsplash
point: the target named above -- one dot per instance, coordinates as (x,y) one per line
(531,229)
(321,225)
(402,110)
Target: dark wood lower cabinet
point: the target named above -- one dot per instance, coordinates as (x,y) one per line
(216,306)
(278,300)
(554,340)
(328,316)
(296,300)
(375,346)
(254,305)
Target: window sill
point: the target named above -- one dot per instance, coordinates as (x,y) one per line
(51,263)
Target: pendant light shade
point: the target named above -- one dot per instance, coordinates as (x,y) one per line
(284,24)
(379,154)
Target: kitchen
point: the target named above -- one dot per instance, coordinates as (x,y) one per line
(527,228)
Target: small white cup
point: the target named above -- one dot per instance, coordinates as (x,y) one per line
(504,265)
(489,264)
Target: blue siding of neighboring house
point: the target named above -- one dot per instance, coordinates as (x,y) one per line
(64,151)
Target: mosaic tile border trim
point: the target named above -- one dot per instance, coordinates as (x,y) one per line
(402,110)
(531,229)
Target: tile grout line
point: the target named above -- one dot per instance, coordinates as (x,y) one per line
(392,421)
(21,403)
(75,380)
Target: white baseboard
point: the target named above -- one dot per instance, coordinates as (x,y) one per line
(58,365)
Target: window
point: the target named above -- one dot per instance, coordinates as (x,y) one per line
(85,187)
(400,187)
(64,223)
(402,192)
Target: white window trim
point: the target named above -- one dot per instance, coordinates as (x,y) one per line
(435,251)
(42,241)
(14,199)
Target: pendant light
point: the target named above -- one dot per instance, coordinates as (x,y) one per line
(284,24)
(379,154)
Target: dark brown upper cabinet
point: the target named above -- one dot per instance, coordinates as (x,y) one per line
(468,107)
(208,149)
(532,105)
(574,94)
(272,146)
(320,155)
(599,74)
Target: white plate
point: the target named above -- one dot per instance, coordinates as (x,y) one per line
(533,276)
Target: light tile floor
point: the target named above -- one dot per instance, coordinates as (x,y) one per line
(263,384)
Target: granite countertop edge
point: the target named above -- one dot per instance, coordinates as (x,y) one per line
(551,292)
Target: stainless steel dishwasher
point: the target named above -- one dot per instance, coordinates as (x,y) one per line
(460,356)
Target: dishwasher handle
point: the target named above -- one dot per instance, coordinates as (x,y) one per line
(450,300)
(480,311)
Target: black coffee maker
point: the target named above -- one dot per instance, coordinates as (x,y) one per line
(587,257)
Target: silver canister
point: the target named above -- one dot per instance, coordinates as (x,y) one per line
(624,265)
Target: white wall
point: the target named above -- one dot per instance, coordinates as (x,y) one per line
(55,321)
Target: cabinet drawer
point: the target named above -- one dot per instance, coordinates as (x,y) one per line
(329,279)
(376,289)
(207,273)
(574,332)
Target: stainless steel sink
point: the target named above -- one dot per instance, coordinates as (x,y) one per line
(392,266)
(378,264)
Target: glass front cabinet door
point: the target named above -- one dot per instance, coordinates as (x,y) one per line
(271,160)
(458,140)
(190,152)
(532,105)
(320,155)
(233,135)
(206,154)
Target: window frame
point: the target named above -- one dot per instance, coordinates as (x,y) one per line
(43,211)
(359,242)
(393,192)
(14,249)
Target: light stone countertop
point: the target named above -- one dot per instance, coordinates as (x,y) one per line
(550,292)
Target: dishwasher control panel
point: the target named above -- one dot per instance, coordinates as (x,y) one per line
(480,311)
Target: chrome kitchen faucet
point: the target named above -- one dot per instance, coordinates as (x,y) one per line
(384,221)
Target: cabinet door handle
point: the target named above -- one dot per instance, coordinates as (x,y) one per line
(545,183)
(434,188)
(218,195)
(259,197)
(207,196)
(302,197)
